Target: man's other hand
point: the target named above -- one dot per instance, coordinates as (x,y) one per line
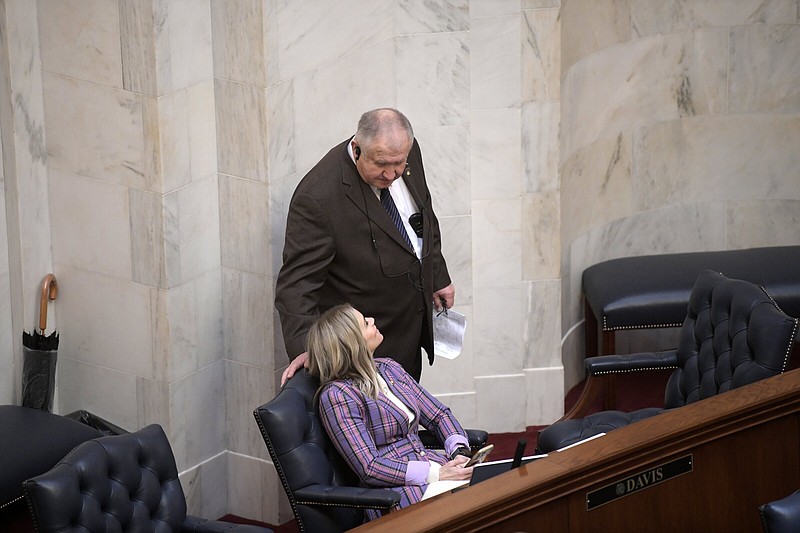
(446,297)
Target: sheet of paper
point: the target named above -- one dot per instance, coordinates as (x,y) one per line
(448,333)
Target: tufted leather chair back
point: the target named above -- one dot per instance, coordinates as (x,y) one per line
(304,456)
(117,483)
(734,334)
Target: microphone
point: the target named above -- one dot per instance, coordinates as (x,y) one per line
(416,223)
(518,453)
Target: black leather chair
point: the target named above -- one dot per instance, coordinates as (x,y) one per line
(322,489)
(733,334)
(782,516)
(118,483)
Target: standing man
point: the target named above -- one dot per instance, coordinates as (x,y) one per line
(361,230)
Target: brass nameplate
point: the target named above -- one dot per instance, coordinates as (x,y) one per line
(639,481)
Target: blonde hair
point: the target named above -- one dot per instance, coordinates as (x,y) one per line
(337,351)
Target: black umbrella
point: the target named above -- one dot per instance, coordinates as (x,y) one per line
(40,350)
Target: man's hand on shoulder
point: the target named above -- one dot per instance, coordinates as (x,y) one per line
(298,363)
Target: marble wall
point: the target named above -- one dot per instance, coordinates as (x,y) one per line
(679,133)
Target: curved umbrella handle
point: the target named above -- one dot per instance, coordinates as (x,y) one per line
(49,291)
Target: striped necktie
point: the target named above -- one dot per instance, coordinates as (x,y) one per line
(388,204)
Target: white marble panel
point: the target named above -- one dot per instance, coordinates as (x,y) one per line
(643,82)
(329,101)
(238,35)
(173,137)
(246,387)
(721,158)
(499,397)
(248,303)
(280,131)
(103,391)
(457,252)
(25,157)
(754,223)
(145,61)
(586,30)
(539,4)
(195,324)
(241,130)
(497,327)
(198,415)
(146,236)
(496,154)
(255,491)
(572,355)
(541,236)
(206,487)
(91,224)
(180,320)
(542,324)
(765,67)
(496,244)
(315,34)
(464,406)
(655,16)
(445,152)
(81,39)
(422,16)
(433,78)
(596,185)
(105,321)
(9,377)
(202,129)
(244,221)
(494,61)
(541,55)
(199,227)
(493,8)
(152,403)
(189,39)
(280,195)
(544,395)
(540,125)
(95,131)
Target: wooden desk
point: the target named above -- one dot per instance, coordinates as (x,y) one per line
(744,448)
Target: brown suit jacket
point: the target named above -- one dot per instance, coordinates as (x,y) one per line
(342,247)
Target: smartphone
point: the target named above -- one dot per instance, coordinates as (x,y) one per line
(480,455)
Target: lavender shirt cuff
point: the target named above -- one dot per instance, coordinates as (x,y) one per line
(453,442)
(417,472)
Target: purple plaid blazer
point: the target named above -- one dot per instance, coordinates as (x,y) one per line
(375,437)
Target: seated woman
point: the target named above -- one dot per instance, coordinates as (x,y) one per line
(372,410)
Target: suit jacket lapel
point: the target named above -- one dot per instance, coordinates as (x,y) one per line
(393,383)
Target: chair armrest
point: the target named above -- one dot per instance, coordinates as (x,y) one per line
(477,439)
(606,364)
(193,524)
(601,369)
(781,515)
(350,496)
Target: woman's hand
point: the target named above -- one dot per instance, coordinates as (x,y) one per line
(455,469)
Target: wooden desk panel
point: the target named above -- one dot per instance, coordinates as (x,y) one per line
(745,446)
